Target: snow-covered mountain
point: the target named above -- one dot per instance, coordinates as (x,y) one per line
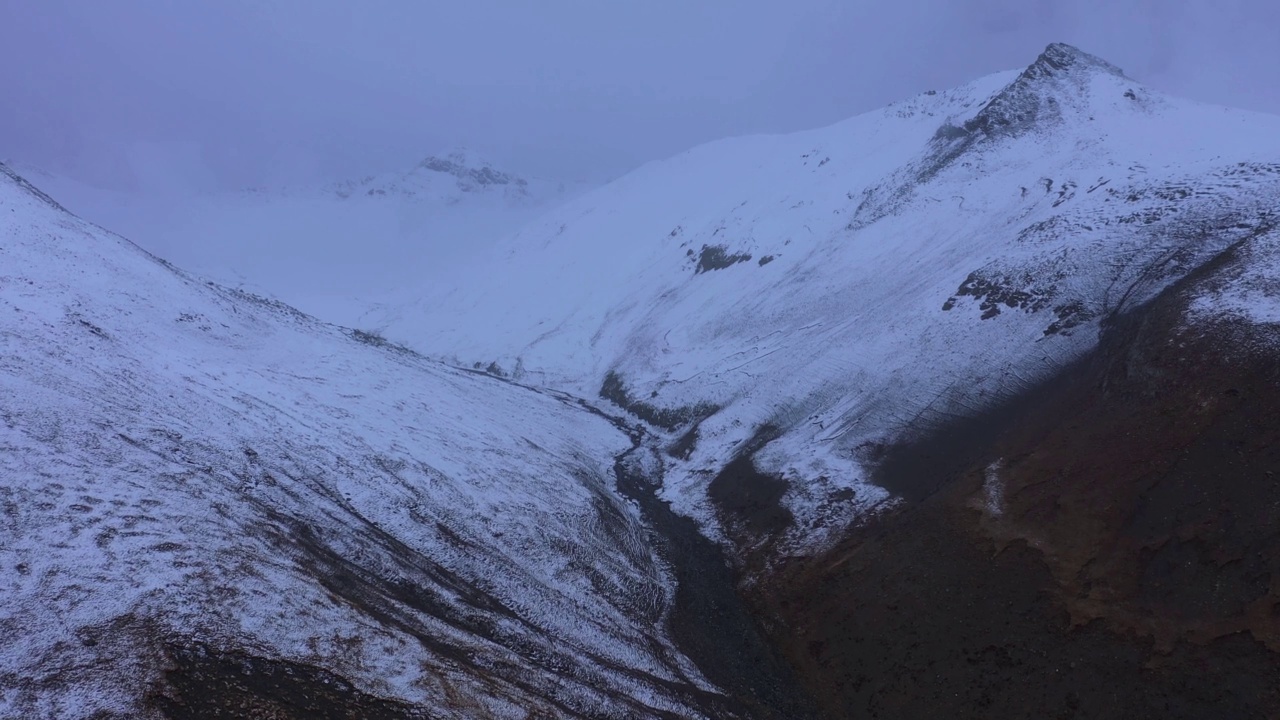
(978,390)
(206,493)
(809,299)
(335,250)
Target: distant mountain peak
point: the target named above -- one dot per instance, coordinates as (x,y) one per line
(459,155)
(470,169)
(457,168)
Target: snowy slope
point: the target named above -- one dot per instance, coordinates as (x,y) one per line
(1245,290)
(851,285)
(333,251)
(186,465)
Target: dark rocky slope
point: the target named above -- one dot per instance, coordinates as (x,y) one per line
(1105,546)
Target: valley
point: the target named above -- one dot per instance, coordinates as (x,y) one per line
(965,407)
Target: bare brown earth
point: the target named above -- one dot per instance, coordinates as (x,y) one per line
(1127,566)
(205,683)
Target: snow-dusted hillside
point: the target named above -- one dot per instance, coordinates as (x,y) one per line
(189,471)
(333,251)
(839,289)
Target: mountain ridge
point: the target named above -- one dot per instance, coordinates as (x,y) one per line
(852,285)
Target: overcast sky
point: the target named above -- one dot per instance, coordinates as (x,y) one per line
(233,92)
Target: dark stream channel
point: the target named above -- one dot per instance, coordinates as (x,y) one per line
(709,620)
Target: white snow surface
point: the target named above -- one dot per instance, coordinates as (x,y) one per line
(1247,289)
(906,266)
(334,251)
(186,462)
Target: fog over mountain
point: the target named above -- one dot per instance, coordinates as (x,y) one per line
(219,95)
(600,360)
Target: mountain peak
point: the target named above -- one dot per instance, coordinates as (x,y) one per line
(459,155)
(470,169)
(1040,92)
(1059,58)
